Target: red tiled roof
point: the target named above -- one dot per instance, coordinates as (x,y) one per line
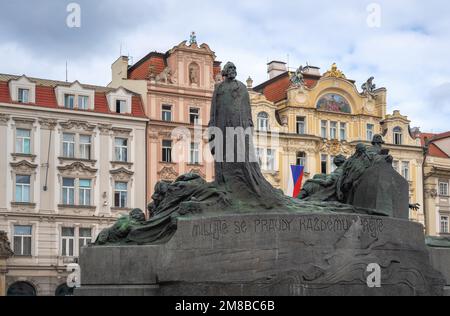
(46,97)
(140,70)
(433,149)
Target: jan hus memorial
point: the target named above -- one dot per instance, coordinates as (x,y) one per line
(240,236)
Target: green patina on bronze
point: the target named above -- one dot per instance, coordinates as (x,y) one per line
(240,187)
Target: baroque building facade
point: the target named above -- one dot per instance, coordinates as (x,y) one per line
(177,88)
(308,118)
(436,183)
(71,163)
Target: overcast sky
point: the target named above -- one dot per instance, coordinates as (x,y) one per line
(409,53)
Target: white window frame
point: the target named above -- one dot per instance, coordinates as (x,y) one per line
(166,151)
(22,140)
(68,145)
(444,224)
(334,130)
(323,160)
(406,170)
(22,238)
(65,241)
(68,97)
(324,129)
(194,154)
(398,136)
(83,102)
(166,112)
(66,190)
(121,151)
(270,159)
(121,193)
(22,83)
(343,131)
(300,125)
(84,193)
(23,186)
(85,148)
(263,121)
(83,240)
(23,95)
(194,115)
(370,131)
(443,189)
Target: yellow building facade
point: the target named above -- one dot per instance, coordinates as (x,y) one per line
(325,116)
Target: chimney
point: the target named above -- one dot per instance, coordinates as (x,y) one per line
(312,70)
(120,69)
(276,68)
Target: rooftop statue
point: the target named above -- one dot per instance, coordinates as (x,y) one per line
(240,187)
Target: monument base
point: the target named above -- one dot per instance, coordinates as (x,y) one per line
(269,254)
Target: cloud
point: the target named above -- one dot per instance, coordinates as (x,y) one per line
(407,54)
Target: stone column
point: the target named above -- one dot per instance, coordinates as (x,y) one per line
(5,253)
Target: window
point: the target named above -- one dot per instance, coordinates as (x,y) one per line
(270,164)
(121,106)
(85,147)
(333,130)
(23,141)
(444,225)
(23,185)
(167,113)
(300,125)
(194,154)
(22,240)
(85,237)
(370,132)
(121,149)
(396,165)
(324,129)
(263,121)
(333,166)
(69,101)
(398,135)
(68,145)
(23,95)
(83,102)
(67,241)
(85,192)
(323,164)
(405,170)
(301,159)
(343,131)
(167,151)
(68,191)
(120,194)
(194,115)
(260,156)
(443,188)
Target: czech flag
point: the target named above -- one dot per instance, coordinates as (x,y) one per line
(295,181)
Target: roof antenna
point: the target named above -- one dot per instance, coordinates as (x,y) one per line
(120,51)
(67,75)
(288,63)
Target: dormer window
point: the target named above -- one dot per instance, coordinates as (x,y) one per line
(398,136)
(83,102)
(69,101)
(23,95)
(121,106)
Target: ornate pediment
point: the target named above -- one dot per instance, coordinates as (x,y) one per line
(23,166)
(4,118)
(168,174)
(77,169)
(335,147)
(80,125)
(198,171)
(48,124)
(121,174)
(334,72)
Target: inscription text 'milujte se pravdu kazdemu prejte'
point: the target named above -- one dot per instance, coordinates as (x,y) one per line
(218,228)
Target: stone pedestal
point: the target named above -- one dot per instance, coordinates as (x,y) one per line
(268,254)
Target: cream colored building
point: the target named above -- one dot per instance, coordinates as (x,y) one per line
(323,118)
(72,161)
(437,182)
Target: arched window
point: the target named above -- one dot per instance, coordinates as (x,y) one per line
(398,136)
(21,289)
(263,121)
(64,290)
(301,159)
